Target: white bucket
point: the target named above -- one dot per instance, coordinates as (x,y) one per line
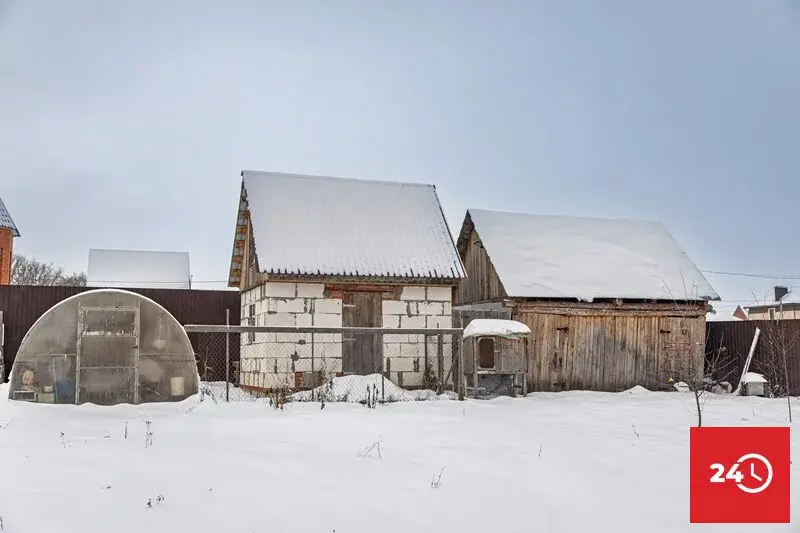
(176,387)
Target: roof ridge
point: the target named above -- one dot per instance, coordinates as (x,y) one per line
(570,217)
(266,173)
(137,251)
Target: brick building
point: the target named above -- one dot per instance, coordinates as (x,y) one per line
(8,231)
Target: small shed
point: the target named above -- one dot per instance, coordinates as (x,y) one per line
(754,384)
(138,269)
(105,346)
(496,356)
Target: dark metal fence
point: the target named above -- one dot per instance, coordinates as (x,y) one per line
(22,305)
(731,341)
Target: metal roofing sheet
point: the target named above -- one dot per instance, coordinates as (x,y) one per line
(6,221)
(337,226)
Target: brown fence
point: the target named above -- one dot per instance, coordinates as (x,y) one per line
(22,305)
(734,339)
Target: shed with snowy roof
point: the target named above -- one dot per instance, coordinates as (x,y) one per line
(611,303)
(138,269)
(339,252)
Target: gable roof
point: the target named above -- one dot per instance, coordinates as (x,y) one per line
(790,300)
(544,256)
(6,221)
(138,269)
(316,225)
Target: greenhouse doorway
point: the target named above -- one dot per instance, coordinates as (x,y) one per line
(108,355)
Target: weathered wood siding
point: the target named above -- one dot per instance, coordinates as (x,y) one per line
(482,283)
(610,352)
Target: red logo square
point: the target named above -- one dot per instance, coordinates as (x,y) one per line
(739,475)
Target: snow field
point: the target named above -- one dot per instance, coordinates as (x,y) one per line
(555,462)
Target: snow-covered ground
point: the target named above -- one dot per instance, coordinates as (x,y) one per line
(553,462)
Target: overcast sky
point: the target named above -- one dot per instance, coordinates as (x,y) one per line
(125,124)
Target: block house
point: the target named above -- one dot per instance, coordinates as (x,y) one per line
(610,303)
(337,252)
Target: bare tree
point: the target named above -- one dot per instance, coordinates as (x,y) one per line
(31,271)
(699,375)
(780,340)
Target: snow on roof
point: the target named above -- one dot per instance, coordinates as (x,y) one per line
(138,269)
(791,298)
(496,327)
(753,377)
(722,317)
(544,256)
(6,221)
(337,226)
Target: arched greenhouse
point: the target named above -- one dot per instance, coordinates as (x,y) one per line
(106,347)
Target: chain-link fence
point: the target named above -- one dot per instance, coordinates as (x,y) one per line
(359,365)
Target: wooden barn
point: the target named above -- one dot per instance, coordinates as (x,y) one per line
(313,251)
(610,303)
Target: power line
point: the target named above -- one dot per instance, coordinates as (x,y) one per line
(749,274)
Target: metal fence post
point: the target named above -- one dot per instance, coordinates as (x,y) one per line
(227,356)
(383,367)
(440,361)
(461,380)
(313,383)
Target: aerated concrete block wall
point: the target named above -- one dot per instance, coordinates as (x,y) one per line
(405,356)
(271,360)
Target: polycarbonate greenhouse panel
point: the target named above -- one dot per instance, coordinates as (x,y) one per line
(105,347)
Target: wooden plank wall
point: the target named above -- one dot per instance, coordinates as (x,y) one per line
(23,305)
(483,283)
(609,352)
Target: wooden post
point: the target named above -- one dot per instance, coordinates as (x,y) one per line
(461,385)
(227,356)
(526,347)
(474,368)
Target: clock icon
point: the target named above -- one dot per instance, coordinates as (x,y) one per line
(757,470)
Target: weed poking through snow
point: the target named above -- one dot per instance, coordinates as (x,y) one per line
(148,437)
(436,481)
(158,499)
(126,430)
(540,450)
(372,451)
(636,435)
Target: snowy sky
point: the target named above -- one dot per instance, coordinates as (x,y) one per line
(125,124)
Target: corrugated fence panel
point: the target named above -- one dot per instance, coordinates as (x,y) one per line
(734,338)
(23,305)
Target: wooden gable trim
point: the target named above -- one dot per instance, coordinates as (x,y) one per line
(238,264)
(482,282)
